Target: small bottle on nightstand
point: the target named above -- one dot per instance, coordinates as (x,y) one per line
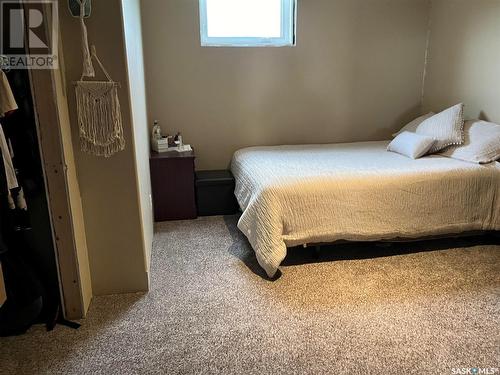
(156,132)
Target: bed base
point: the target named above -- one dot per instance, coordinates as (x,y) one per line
(387,242)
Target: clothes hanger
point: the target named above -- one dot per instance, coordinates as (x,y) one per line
(4,63)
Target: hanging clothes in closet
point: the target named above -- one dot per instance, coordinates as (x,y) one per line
(8,179)
(18,145)
(26,247)
(7,106)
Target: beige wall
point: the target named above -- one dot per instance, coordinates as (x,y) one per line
(355,74)
(464,57)
(109,187)
(131,14)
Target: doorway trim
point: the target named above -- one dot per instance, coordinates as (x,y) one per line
(54,163)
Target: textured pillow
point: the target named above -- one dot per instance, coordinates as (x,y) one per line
(446,128)
(412,126)
(482,143)
(411,144)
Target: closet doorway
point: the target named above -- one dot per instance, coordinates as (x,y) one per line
(40,252)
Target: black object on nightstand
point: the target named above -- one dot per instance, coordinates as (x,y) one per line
(215,193)
(172,185)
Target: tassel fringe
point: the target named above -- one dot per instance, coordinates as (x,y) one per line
(99,118)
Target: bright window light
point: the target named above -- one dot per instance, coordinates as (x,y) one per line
(247,23)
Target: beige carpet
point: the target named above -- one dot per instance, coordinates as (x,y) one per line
(424,307)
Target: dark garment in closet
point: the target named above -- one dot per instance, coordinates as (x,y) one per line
(3,194)
(25,293)
(3,178)
(20,128)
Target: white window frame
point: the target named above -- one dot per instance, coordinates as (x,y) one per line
(287,38)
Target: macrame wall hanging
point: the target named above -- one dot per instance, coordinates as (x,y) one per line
(99,115)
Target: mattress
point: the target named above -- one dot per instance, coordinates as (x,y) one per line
(293,195)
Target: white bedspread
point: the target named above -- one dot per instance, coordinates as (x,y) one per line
(292,195)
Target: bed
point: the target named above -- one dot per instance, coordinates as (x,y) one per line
(295,195)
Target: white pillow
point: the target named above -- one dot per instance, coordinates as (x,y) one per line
(482,143)
(446,128)
(411,144)
(412,126)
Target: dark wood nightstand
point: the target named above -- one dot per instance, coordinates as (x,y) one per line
(172,185)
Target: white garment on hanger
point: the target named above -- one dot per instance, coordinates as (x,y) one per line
(7,104)
(7,101)
(10,172)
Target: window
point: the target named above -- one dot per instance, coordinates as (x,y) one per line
(247,23)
